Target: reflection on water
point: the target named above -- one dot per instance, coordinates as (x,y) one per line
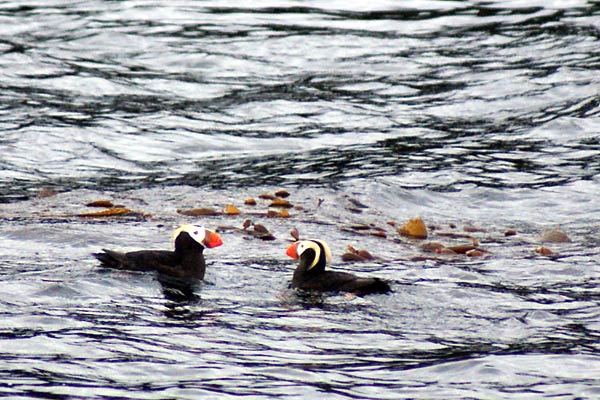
(465,113)
(178,291)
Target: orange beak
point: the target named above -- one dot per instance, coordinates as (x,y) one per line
(291,251)
(212,239)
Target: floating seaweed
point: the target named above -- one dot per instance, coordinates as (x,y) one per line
(555,236)
(282,193)
(353,254)
(544,251)
(295,234)
(230,209)
(112,212)
(281,203)
(101,204)
(199,212)
(283,213)
(414,228)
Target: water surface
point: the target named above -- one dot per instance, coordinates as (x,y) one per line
(479,114)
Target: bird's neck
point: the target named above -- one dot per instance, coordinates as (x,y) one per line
(307,259)
(185,246)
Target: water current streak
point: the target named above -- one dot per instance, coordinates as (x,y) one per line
(475,78)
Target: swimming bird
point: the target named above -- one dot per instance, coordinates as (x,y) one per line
(186,261)
(311,275)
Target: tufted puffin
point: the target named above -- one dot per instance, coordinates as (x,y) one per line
(186,261)
(311,275)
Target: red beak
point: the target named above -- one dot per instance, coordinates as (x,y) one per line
(212,239)
(291,251)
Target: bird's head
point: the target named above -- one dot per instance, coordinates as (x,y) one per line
(311,252)
(200,234)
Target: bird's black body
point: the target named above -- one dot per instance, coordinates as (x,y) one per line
(313,276)
(186,261)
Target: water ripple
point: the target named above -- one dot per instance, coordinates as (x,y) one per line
(463,112)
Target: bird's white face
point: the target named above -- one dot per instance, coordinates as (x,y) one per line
(304,245)
(198,233)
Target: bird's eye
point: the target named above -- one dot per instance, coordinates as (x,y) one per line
(195,232)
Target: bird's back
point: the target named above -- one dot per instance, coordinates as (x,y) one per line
(143,260)
(334,281)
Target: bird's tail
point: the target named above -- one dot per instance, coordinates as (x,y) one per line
(109,258)
(377,285)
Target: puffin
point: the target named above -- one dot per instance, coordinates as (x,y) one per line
(185,262)
(310,274)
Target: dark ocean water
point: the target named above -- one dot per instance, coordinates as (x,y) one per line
(480,117)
